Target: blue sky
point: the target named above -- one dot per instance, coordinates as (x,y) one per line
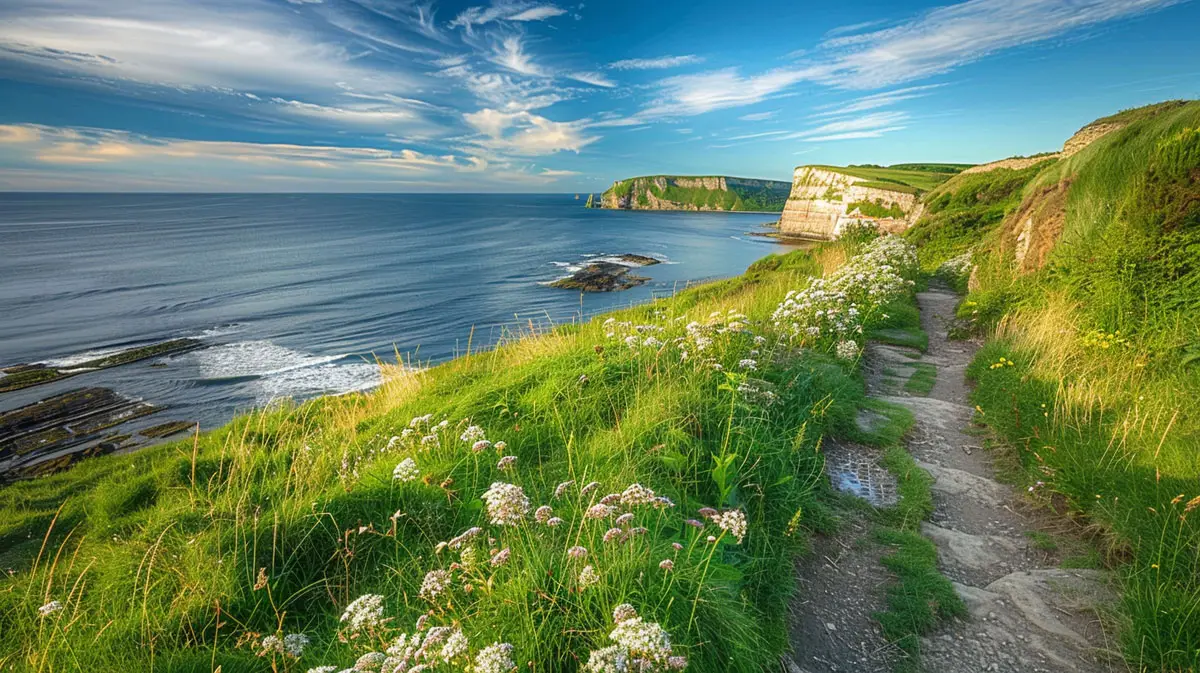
(516,95)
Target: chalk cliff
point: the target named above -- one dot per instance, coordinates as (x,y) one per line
(824,200)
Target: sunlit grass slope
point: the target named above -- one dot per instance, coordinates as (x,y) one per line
(1104,343)
(514,507)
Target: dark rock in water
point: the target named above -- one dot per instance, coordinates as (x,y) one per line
(53,433)
(607,276)
(167,429)
(26,375)
(638,260)
(600,277)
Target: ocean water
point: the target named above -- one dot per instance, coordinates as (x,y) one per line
(297,295)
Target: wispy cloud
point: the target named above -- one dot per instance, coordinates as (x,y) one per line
(759,116)
(684,95)
(504,10)
(872,125)
(948,37)
(509,52)
(876,100)
(593,78)
(660,63)
(525,134)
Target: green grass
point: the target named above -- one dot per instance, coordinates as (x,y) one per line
(876,209)
(156,555)
(895,178)
(922,380)
(1105,341)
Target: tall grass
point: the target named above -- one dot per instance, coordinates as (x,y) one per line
(186,556)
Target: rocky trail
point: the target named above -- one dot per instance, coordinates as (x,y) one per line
(1027,614)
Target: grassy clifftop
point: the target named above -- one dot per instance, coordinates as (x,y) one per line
(1084,274)
(674,192)
(906,178)
(517,503)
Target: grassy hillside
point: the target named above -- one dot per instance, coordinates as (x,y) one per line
(515,497)
(909,178)
(743,194)
(1088,279)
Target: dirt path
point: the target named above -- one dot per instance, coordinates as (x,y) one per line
(1027,615)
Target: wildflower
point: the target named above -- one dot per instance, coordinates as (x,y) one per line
(577,552)
(847,350)
(646,640)
(624,519)
(501,557)
(371,661)
(663,501)
(365,612)
(501,446)
(748,364)
(707,512)
(624,612)
(472,434)
(456,646)
(554,522)
(430,442)
(733,522)
(323,669)
(636,494)
(464,537)
(506,463)
(666,564)
(294,644)
(612,534)
(407,470)
(694,523)
(611,659)
(270,644)
(711,539)
(481,445)
(49,608)
(677,546)
(611,499)
(599,511)
(639,530)
(588,576)
(495,658)
(562,488)
(677,662)
(591,486)
(543,513)
(506,504)
(435,583)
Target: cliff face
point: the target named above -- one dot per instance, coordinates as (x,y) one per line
(823,201)
(706,193)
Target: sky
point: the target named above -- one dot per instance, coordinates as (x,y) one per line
(533,96)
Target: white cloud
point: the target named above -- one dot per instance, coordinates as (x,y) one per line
(759,116)
(509,53)
(504,10)
(871,125)
(593,78)
(764,134)
(718,89)
(947,37)
(876,100)
(660,63)
(525,134)
(88,146)
(555,174)
(176,44)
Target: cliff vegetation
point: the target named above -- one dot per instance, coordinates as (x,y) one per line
(671,192)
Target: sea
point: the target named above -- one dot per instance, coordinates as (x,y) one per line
(297,295)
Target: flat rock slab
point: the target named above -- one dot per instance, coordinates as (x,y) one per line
(608,275)
(955,482)
(21,376)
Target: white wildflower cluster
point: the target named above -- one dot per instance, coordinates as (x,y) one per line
(49,608)
(957,267)
(847,349)
(291,645)
(507,504)
(588,576)
(700,342)
(757,392)
(859,230)
(407,470)
(732,521)
(435,584)
(836,308)
(363,615)
(495,658)
(639,646)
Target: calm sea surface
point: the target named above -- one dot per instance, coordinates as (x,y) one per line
(295,294)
